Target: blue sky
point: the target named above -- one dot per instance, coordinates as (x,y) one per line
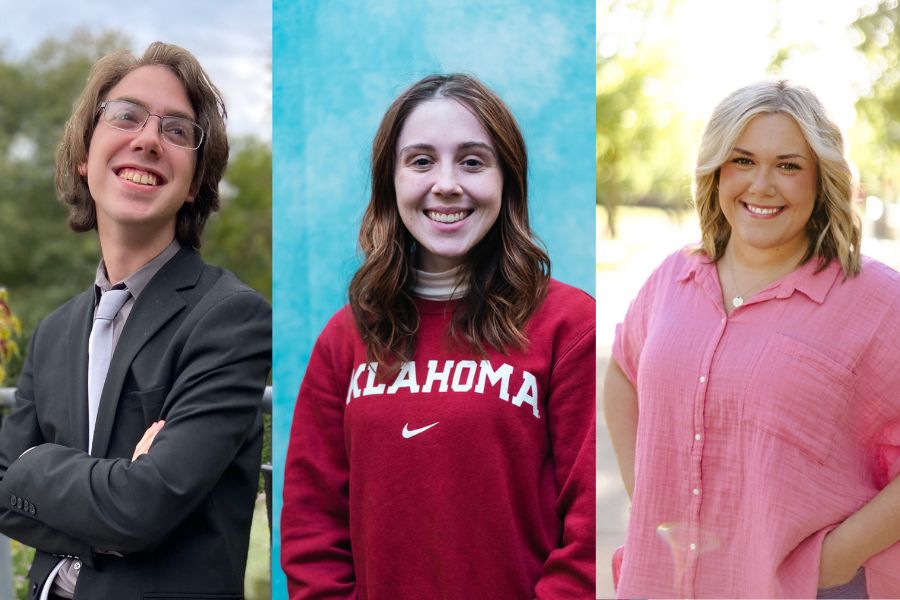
(232,39)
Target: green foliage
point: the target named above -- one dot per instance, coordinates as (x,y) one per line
(876,140)
(22,556)
(643,141)
(10,328)
(239,236)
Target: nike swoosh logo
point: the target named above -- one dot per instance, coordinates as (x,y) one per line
(408,433)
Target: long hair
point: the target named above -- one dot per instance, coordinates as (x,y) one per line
(212,156)
(506,273)
(833,229)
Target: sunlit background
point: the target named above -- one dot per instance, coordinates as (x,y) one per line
(662,65)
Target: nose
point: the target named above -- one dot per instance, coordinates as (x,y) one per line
(149,138)
(762,183)
(446,182)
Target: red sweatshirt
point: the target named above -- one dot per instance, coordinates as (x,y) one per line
(458,477)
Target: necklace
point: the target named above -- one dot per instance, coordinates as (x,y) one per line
(738,299)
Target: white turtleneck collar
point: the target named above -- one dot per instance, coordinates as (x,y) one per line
(438,286)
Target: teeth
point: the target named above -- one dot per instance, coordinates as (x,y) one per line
(761,210)
(136,176)
(446,218)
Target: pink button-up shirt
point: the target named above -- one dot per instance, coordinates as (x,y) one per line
(759,431)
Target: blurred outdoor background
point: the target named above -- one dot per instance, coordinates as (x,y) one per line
(662,66)
(46,51)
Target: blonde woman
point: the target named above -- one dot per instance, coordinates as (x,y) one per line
(753,397)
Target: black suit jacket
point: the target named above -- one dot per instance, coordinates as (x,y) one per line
(195,351)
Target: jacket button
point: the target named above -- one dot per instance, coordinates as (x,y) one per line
(12,500)
(32,509)
(19,503)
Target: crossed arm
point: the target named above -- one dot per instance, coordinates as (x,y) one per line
(131,505)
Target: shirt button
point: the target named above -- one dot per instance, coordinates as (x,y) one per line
(696,491)
(703,379)
(693,546)
(76,565)
(697,437)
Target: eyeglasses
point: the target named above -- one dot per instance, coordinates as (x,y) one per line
(128,116)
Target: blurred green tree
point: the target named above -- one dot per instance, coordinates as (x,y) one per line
(875,140)
(643,141)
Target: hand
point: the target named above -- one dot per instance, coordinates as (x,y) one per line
(143,446)
(837,565)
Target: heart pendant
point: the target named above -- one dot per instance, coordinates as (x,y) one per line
(737,301)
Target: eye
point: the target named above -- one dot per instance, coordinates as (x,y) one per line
(472,163)
(741,161)
(789,167)
(420,162)
(177,130)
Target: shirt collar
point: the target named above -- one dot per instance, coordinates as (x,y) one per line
(804,279)
(137,281)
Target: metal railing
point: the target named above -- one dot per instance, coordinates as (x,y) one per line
(8,401)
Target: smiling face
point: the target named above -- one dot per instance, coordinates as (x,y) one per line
(448,182)
(137,180)
(767,187)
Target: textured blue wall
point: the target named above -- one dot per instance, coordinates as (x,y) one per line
(337,66)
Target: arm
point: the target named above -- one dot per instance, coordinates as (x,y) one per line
(211,410)
(315,524)
(620,408)
(570,569)
(870,530)
(21,431)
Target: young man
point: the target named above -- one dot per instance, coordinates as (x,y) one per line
(131,462)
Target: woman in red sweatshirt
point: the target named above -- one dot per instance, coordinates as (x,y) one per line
(443,438)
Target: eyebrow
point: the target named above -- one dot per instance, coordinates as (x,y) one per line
(779,157)
(463,146)
(169,113)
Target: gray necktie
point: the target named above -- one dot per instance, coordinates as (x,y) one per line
(100,348)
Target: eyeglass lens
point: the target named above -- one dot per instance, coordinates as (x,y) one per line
(128,116)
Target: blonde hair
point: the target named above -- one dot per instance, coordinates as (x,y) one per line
(833,229)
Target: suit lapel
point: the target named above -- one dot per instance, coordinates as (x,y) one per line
(158,303)
(77,339)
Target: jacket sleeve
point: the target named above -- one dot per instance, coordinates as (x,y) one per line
(570,569)
(315,530)
(20,431)
(211,409)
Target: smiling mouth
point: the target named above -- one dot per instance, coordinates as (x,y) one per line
(453,217)
(138,176)
(762,211)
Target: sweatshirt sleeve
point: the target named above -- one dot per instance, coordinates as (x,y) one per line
(315,530)
(570,569)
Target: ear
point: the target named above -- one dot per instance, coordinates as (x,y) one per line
(82,169)
(192,192)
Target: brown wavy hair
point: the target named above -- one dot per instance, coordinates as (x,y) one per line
(834,230)
(212,156)
(506,273)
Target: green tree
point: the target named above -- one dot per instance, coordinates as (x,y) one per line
(875,141)
(239,236)
(642,139)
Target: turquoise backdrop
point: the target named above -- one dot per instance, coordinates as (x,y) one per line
(337,65)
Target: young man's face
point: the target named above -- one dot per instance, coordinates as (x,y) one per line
(138,180)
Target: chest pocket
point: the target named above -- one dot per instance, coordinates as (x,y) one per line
(800,395)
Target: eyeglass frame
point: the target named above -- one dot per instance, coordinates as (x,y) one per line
(102,109)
